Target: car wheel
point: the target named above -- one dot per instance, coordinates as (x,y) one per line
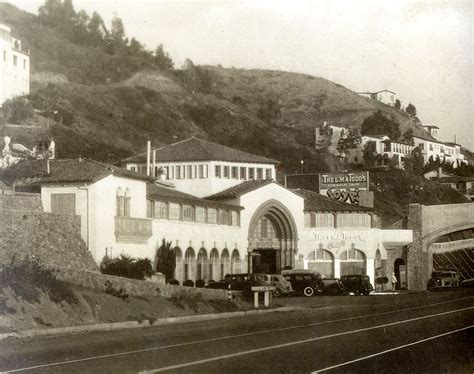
(277,293)
(366,293)
(308,291)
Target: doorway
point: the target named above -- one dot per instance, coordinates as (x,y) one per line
(264,261)
(399,268)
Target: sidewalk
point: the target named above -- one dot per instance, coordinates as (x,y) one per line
(137,324)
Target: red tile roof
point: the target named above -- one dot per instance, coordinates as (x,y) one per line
(70,171)
(169,194)
(239,190)
(194,149)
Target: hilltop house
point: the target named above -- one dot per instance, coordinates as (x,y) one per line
(385,96)
(14,66)
(246,222)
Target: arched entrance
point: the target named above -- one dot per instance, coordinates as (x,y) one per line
(272,239)
(399,268)
(321,261)
(353,261)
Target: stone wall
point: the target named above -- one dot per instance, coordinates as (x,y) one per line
(96,281)
(52,239)
(21,201)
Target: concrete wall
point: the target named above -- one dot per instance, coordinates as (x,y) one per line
(96,281)
(428,223)
(52,239)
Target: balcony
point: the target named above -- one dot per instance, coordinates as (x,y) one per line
(133,230)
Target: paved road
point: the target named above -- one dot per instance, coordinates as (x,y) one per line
(432,332)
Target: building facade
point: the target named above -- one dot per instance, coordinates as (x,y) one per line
(14,66)
(256,225)
(385,96)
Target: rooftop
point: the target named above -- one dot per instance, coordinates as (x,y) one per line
(194,149)
(316,202)
(240,189)
(162,193)
(70,171)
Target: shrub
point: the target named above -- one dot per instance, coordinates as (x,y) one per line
(17,110)
(188,283)
(200,283)
(166,260)
(174,281)
(127,267)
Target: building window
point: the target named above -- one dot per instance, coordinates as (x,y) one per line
(235,218)
(24,64)
(200,214)
(235,172)
(243,173)
(174,212)
(268,173)
(224,217)
(150,208)
(217,170)
(133,168)
(259,173)
(190,172)
(212,215)
(63,203)
(126,201)
(188,213)
(251,173)
(15,60)
(161,210)
(226,172)
(202,171)
(119,212)
(169,172)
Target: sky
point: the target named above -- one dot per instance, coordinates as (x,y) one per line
(422,50)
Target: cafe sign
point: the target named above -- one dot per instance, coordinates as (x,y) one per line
(344,187)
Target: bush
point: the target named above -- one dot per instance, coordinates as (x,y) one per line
(200,283)
(188,283)
(17,110)
(174,282)
(381,280)
(127,267)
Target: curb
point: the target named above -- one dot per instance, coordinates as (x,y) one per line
(136,324)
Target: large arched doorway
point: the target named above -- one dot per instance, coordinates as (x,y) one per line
(189,264)
(201,264)
(399,268)
(272,238)
(214,265)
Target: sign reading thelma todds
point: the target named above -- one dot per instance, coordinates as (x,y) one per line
(344,187)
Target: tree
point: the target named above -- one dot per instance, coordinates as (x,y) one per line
(166,260)
(398,104)
(269,110)
(162,59)
(414,163)
(127,266)
(378,124)
(411,109)
(408,136)
(369,154)
(97,28)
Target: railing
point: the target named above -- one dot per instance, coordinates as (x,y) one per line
(133,230)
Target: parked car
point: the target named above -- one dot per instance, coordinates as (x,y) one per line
(357,284)
(333,286)
(304,281)
(444,279)
(282,286)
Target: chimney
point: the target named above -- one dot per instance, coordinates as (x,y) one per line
(148,150)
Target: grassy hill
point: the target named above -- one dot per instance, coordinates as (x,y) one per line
(105,106)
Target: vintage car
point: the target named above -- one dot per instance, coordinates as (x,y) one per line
(304,281)
(357,284)
(333,286)
(444,279)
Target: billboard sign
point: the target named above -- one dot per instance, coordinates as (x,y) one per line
(344,187)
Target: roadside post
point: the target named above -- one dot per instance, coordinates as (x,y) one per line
(267,295)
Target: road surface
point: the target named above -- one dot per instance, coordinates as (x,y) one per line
(419,333)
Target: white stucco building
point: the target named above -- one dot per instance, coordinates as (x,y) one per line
(14,66)
(254,225)
(385,96)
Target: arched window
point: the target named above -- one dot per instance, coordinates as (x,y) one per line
(189,260)
(224,263)
(214,265)
(201,264)
(353,262)
(178,270)
(378,259)
(126,205)
(119,203)
(321,261)
(235,262)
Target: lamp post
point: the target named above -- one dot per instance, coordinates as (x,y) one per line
(302,166)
